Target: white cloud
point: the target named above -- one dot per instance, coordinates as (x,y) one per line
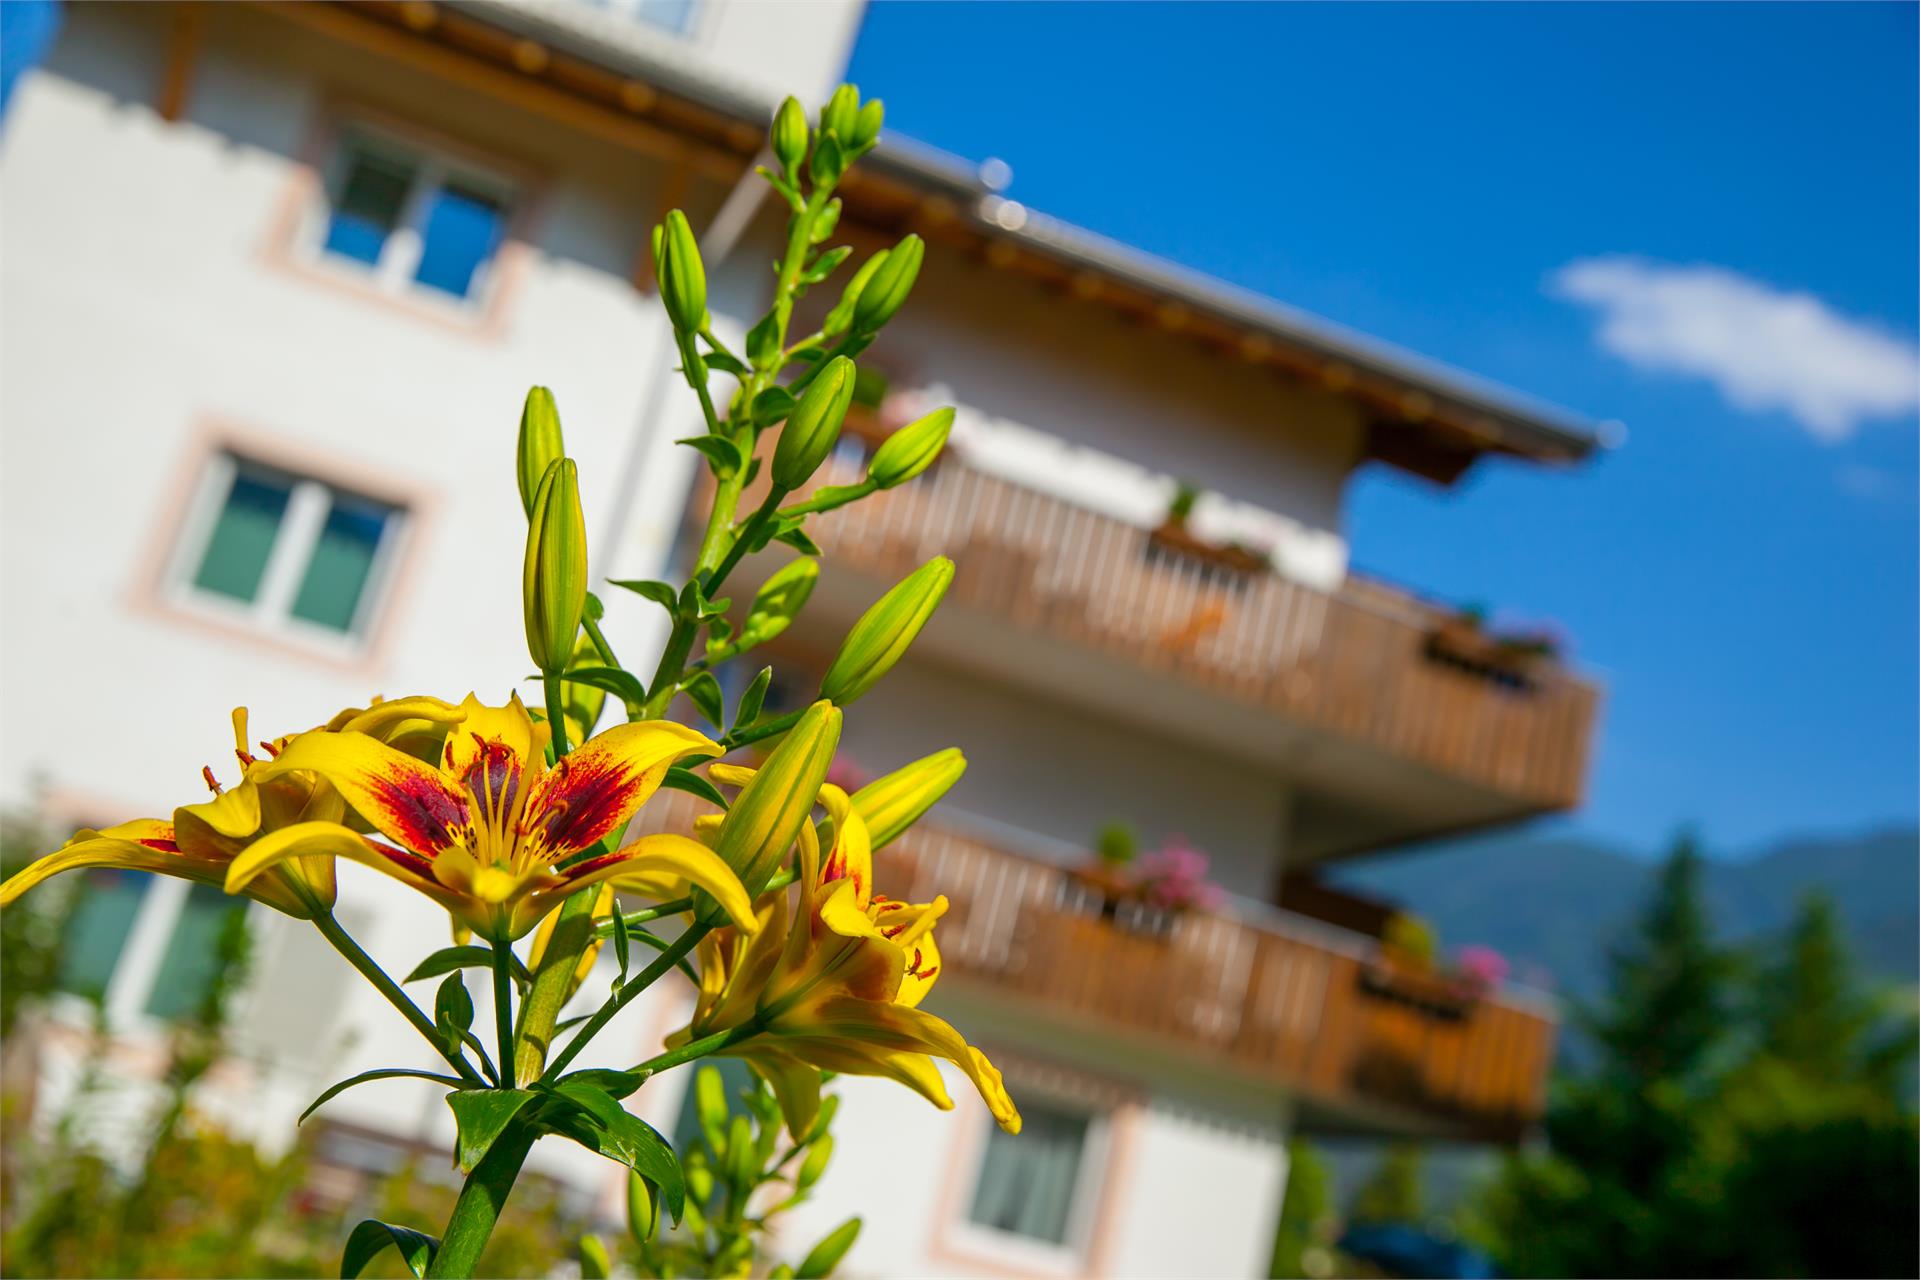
(1763,348)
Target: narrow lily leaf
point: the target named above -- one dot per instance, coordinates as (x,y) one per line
(753,699)
(622,1138)
(726,364)
(763,340)
(623,685)
(827,1254)
(371,1237)
(722,454)
(383,1073)
(772,405)
(825,264)
(660,593)
(482,1115)
(693,784)
(704,692)
(798,540)
(616,1084)
(447,959)
(620,949)
(453,1011)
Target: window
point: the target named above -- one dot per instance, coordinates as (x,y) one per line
(285,551)
(145,945)
(411,220)
(672,16)
(1028,1185)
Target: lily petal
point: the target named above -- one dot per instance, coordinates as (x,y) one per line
(404,799)
(668,855)
(306,839)
(795,1085)
(851,857)
(892,1026)
(509,725)
(593,791)
(146,844)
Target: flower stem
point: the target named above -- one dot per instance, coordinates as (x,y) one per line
(622,998)
(556,713)
(481,1199)
(343,943)
(702,1047)
(503,1004)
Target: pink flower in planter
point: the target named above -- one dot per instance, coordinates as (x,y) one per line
(1483,967)
(1175,876)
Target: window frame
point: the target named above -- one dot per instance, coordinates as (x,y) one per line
(269,613)
(1024,1254)
(392,274)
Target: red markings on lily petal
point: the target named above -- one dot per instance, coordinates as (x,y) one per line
(493,779)
(592,865)
(160,844)
(578,804)
(409,862)
(426,813)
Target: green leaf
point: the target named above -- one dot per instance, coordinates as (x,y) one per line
(383,1073)
(752,700)
(726,364)
(594,610)
(453,1008)
(618,1136)
(623,685)
(620,948)
(447,959)
(372,1236)
(827,1254)
(482,1115)
(763,340)
(617,1084)
(704,692)
(772,405)
(663,594)
(693,784)
(798,540)
(723,455)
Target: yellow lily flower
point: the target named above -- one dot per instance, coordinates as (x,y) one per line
(836,989)
(202,840)
(492,833)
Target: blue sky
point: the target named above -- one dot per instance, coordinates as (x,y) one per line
(1742,578)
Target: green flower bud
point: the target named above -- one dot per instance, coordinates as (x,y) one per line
(814,424)
(765,818)
(842,314)
(842,113)
(540,443)
(910,450)
(710,1100)
(866,126)
(699,1183)
(888,290)
(827,1254)
(881,636)
(683,281)
(743,1157)
(779,600)
(789,136)
(815,1164)
(643,1208)
(594,1262)
(891,804)
(554,581)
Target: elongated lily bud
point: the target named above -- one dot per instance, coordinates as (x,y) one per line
(842,314)
(594,1262)
(883,632)
(815,1164)
(888,290)
(910,450)
(683,281)
(866,126)
(826,1255)
(891,804)
(790,135)
(710,1099)
(540,443)
(842,113)
(554,583)
(766,817)
(643,1209)
(779,600)
(814,425)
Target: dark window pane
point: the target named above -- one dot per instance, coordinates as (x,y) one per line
(342,562)
(371,198)
(461,231)
(236,554)
(192,959)
(1026,1184)
(102,916)
(669,15)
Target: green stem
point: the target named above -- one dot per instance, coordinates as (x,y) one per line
(343,943)
(572,933)
(622,998)
(743,541)
(503,1001)
(556,712)
(480,1202)
(702,1047)
(772,728)
(831,497)
(600,644)
(666,676)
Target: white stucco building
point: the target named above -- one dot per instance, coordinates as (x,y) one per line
(273,283)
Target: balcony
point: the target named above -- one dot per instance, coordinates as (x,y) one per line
(1399,726)
(1262,995)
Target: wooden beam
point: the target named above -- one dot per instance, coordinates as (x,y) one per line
(673,194)
(185,34)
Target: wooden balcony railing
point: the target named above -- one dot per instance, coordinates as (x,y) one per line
(1360,662)
(1276,996)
